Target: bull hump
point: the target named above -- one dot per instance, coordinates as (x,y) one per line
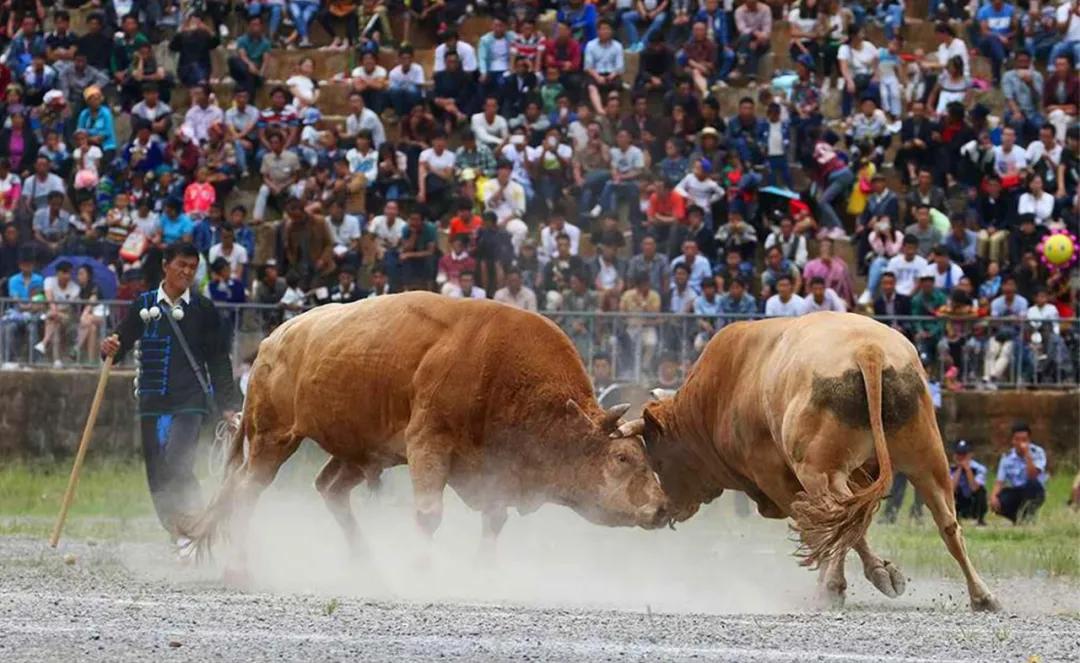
(845,396)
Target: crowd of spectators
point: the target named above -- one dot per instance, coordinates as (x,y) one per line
(574,159)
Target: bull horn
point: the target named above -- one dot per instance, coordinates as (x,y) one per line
(662,394)
(612,416)
(630,429)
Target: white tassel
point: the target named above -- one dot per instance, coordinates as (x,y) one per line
(145,315)
(178,313)
(155,312)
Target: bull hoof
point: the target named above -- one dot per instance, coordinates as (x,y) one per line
(238,578)
(888,579)
(832,597)
(985,603)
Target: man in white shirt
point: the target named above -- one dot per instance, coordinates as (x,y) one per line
(465,288)
(227,248)
(388,228)
(947,274)
(451,44)
(362,118)
(949,46)
(557,225)
(603,64)
(436,175)
(822,298)
(488,126)
(346,231)
(908,266)
(785,303)
(515,293)
(370,80)
(506,198)
(698,267)
(627,165)
(406,83)
(59,318)
(1042,311)
(202,113)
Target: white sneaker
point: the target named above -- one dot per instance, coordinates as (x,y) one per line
(593,212)
(58,364)
(826,85)
(8,366)
(40,347)
(223,31)
(865,297)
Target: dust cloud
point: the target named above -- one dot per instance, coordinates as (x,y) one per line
(714,563)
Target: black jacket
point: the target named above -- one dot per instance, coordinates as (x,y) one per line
(166,382)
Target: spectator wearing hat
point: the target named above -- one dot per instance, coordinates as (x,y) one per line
(1020,488)
(97,120)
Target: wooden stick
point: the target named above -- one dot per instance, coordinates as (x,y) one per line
(84,443)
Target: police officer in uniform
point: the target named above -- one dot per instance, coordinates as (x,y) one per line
(181,346)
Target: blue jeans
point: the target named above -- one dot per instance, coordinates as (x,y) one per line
(594,183)
(630,20)
(303,13)
(991,47)
(1071,48)
(877,268)
(403,99)
(839,183)
(778,166)
(891,19)
(272,23)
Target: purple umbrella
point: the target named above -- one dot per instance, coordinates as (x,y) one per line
(103,276)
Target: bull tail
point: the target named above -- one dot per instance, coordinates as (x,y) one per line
(830,524)
(210,525)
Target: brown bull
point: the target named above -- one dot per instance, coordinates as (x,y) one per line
(808,416)
(489,399)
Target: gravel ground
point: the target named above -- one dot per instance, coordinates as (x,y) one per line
(108,602)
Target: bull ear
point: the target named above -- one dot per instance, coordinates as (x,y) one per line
(653,428)
(612,416)
(573,408)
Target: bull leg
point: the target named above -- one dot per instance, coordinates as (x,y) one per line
(884,575)
(428,456)
(492,521)
(936,490)
(832,583)
(266,454)
(335,482)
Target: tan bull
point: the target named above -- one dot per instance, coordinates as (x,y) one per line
(489,399)
(808,416)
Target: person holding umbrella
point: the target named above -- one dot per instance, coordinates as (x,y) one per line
(184,371)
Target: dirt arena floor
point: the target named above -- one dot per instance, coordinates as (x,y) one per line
(558,589)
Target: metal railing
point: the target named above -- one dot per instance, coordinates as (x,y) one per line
(644,348)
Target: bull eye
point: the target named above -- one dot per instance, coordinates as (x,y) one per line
(622,458)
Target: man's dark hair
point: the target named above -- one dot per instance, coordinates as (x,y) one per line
(817,280)
(1020,426)
(277,89)
(682,266)
(218,265)
(63,266)
(911,239)
(746,100)
(61,14)
(891,275)
(181,250)
(405,50)
(562,236)
(784,277)
(940,250)
(239,208)
(468,273)
(513,271)
(53,195)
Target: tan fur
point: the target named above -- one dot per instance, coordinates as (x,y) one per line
(771,409)
(489,399)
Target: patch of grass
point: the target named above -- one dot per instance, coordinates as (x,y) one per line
(1046,548)
(331,607)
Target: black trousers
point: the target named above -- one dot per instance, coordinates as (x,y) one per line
(169,445)
(1020,503)
(896,498)
(971,506)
